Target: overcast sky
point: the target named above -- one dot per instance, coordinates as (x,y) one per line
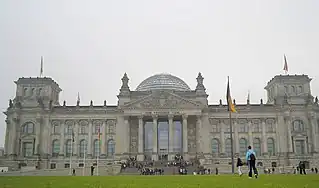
(88,44)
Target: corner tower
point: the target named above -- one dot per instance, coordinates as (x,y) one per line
(289,89)
(32,92)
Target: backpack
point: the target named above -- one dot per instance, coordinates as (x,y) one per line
(252,157)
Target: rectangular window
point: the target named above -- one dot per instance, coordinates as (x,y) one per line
(82,130)
(97,129)
(56,129)
(300,147)
(53,166)
(27,149)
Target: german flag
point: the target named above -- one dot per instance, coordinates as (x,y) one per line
(231,106)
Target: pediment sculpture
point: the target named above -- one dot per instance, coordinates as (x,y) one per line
(162,101)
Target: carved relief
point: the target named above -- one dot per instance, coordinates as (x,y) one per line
(84,123)
(164,100)
(69,123)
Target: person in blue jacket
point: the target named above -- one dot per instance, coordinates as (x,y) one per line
(251,162)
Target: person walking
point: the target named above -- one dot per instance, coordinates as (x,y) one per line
(239,165)
(251,162)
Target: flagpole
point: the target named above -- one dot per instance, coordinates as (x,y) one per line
(83,173)
(71,157)
(97,157)
(97,161)
(41,68)
(231,143)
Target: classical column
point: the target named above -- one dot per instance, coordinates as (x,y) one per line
(289,137)
(6,143)
(76,138)
(250,133)
(155,150)
(12,142)
(62,143)
(171,134)
(264,138)
(221,126)
(38,136)
(89,152)
(199,147)
(140,156)
(127,129)
(103,138)
(46,144)
(236,137)
(314,132)
(120,137)
(185,137)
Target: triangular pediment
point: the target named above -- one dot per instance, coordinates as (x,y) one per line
(162,100)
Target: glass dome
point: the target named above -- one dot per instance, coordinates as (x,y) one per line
(163,81)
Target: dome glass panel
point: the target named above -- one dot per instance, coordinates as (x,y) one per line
(163,82)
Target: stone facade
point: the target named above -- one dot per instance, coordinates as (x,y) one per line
(283,131)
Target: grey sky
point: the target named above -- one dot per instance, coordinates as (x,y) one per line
(88,45)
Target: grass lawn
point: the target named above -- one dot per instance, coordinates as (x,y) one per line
(269,181)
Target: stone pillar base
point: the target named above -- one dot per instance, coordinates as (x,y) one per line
(155,157)
(140,157)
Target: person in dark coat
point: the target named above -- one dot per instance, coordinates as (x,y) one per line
(251,161)
(92,170)
(302,168)
(239,165)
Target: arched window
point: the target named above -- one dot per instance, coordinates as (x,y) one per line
(96,151)
(83,148)
(33,92)
(228,147)
(271,146)
(215,146)
(25,92)
(242,146)
(286,90)
(68,148)
(293,89)
(55,148)
(28,128)
(39,92)
(298,126)
(256,146)
(110,148)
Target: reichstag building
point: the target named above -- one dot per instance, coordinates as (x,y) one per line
(162,117)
